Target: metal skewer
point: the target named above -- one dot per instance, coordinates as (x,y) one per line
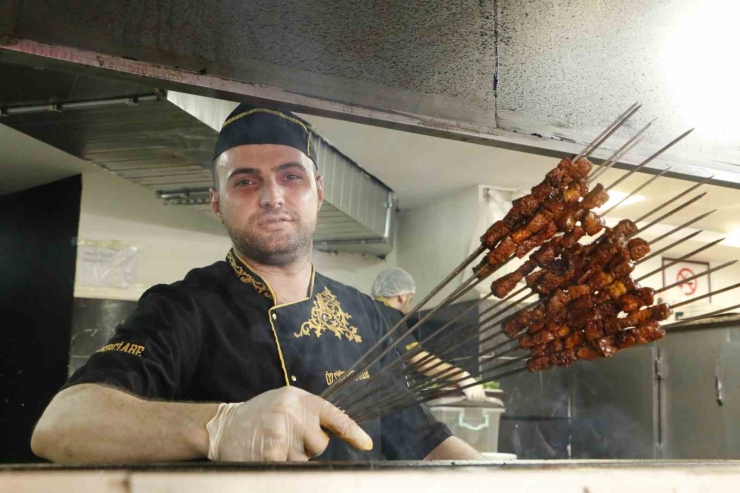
(670,213)
(684,225)
(415,367)
(648,160)
(699,317)
(345,377)
(665,249)
(607,132)
(636,190)
(674,262)
(673,199)
(594,175)
(719,291)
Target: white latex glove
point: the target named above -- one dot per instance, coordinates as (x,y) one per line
(279,425)
(475,393)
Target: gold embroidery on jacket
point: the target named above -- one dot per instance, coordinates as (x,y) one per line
(247,278)
(327,314)
(124,347)
(412,345)
(333,376)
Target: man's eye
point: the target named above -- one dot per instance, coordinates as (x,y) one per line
(293,176)
(242,183)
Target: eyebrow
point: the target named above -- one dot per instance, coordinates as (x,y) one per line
(255,171)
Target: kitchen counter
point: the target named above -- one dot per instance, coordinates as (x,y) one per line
(469,477)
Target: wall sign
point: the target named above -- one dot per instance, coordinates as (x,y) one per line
(685,270)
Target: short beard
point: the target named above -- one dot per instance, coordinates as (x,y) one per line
(298,246)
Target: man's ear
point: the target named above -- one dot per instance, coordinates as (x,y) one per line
(215,204)
(320,189)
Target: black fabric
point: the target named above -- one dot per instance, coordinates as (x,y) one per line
(212,337)
(38,252)
(248,125)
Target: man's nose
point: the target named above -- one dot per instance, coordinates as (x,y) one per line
(271,194)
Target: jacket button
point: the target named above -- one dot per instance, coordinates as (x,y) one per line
(292,377)
(274,316)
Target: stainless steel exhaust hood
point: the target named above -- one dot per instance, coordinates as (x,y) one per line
(165,141)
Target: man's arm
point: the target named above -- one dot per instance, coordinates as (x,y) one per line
(454,449)
(434,367)
(94,423)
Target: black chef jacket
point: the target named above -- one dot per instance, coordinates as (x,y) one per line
(218,336)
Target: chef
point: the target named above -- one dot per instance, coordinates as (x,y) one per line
(229,363)
(393,290)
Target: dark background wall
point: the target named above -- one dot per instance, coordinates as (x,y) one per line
(38,251)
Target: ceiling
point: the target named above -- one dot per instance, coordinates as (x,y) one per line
(546,75)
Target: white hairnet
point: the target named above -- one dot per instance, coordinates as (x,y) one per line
(393,282)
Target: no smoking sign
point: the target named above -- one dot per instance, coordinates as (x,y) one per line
(679,272)
(688,287)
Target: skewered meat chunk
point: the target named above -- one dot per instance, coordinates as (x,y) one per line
(662,311)
(484,269)
(502,252)
(545,255)
(539,364)
(534,278)
(521,209)
(638,248)
(578,291)
(606,346)
(584,303)
(571,239)
(636,299)
(657,312)
(588,353)
(574,339)
(578,169)
(555,176)
(611,326)
(541,337)
(615,289)
(575,191)
(566,357)
(536,326)
(543,191)
(550,230)
(494,234)
(559,331)
(592,223)
(505,284)
(554,207)
(625,228)
(600,279)
(595,198)
(557,301)
(594,330)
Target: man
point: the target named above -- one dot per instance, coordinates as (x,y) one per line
(394,290)
(228,363)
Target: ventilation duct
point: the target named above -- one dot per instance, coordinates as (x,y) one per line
(165,143)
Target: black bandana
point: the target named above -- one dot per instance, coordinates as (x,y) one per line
(249,124)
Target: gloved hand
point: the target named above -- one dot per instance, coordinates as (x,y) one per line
(474,393)
(279,425)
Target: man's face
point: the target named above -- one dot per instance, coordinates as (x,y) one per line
(268,199)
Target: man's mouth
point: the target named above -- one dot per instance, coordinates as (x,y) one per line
(275,220)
